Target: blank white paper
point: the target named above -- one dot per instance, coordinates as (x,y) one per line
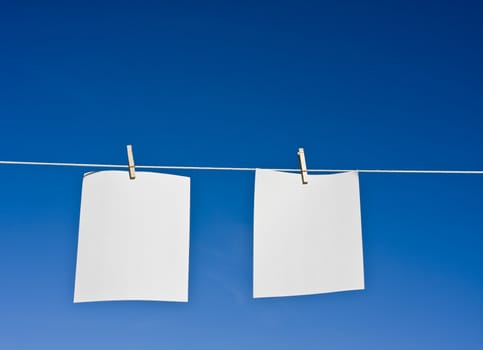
(307,238)
(133,237)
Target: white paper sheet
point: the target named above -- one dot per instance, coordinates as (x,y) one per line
(133,237)
(307,238)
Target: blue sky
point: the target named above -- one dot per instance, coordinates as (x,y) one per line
(374,84)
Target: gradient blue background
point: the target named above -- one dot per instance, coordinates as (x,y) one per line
(359,84)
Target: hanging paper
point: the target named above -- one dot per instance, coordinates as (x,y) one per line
(307,237)
(133,237)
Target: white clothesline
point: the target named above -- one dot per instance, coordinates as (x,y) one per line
(174,167)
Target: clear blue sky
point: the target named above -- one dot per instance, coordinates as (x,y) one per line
(359,84)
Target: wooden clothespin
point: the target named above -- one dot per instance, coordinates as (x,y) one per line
(303,166)
(130,163)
